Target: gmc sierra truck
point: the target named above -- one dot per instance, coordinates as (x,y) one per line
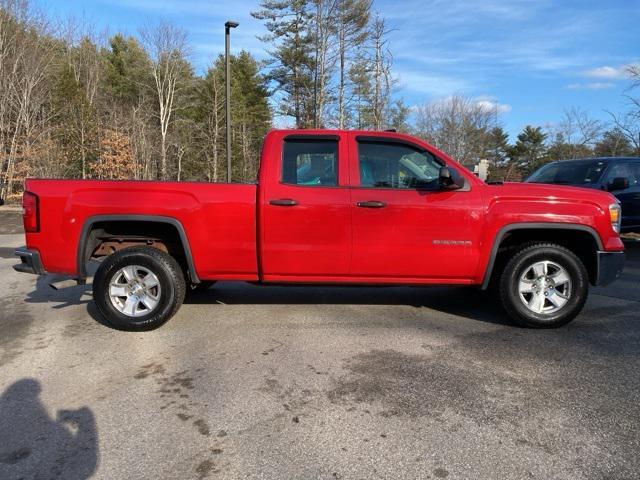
(329,207)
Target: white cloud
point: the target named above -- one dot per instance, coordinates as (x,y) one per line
(590,86)
(607,72)
(490,103)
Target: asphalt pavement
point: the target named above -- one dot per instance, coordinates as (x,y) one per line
(316,383)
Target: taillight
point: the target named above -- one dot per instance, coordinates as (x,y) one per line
(30,214)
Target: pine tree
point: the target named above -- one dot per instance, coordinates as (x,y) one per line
(126,84)
(75,97)
(530,149)
(128,69)
(498,146)
(289,23)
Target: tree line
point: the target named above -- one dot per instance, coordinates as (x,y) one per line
(470,130)
(76,105)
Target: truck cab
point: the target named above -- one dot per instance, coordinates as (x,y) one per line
(371,213)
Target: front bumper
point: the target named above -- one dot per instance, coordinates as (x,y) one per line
(30,262)
(610,266)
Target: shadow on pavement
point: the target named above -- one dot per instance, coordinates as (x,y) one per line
(32,445)
(44,293)
(461,301)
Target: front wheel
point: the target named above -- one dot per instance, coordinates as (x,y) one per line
(138,288)
(544,285)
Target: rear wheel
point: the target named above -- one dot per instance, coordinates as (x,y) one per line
(138,288)
(544,285)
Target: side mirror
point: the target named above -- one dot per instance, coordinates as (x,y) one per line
(446,180)
(618,183)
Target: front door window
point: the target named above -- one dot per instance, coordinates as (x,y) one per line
(394,165)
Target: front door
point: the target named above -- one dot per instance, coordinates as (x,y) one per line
(306,229)
(404,227)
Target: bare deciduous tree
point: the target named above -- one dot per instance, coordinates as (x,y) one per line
(210,127)
(382,79)
(324,62)
(457,125)
(628,123)
(169,50)
(26,58)
(352,20)
(576,133)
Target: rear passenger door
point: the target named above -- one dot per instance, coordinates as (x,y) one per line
(306,229)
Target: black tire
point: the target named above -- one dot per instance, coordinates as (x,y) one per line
(170,295)
(516,267)
(203,286)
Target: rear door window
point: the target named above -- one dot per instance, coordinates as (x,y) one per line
(310,163)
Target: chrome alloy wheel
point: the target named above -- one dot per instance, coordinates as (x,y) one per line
(544,287)
(134,291)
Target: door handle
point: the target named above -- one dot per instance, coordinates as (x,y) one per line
(283,202)
(371,204)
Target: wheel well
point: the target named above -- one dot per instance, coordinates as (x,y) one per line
(109,236)
(581,242)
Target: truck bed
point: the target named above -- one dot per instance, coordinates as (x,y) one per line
(219,220)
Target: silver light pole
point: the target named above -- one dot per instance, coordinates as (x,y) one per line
(227,28)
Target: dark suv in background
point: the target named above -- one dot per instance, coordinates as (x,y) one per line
(620,176)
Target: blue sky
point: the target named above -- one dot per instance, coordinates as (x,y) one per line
(533,58)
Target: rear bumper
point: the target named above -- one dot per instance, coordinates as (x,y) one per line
(30,262)
(610,266)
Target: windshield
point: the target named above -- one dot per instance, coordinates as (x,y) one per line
(576,172)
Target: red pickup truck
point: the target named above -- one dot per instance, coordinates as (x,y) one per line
(329,207)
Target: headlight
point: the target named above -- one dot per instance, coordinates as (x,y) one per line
(615,213)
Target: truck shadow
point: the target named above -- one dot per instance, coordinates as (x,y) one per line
(33,445)
(71,295)
(459,301)
(467,302)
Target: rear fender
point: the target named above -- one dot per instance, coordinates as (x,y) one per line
(84,252)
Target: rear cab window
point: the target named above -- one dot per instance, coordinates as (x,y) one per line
(310,162)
